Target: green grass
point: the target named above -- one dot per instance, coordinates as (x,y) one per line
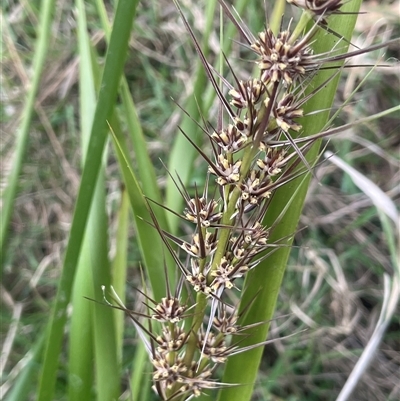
(335,274)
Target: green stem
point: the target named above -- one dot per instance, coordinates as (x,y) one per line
(301,26)
(201,304)
(226,220)
(266,279)
(114,63)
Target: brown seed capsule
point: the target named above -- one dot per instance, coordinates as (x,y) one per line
(286,111)
(248,93)
(280,59)
(229,139)
(273,161)
(171,341)
(228,173)
(201,212)
(169,310)
(213,347)
(319,7)
(166,372)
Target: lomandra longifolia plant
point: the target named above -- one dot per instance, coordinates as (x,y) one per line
(258,145)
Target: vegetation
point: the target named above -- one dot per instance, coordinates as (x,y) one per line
(198,265)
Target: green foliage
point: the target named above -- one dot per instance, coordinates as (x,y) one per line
(96,363)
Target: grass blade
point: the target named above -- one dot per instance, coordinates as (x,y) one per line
(81,353)
(184,165)
(107,368)
(22,386)
(140,382)
(149,244)
(110,82)
(144,165)
(267,278)
(200,100)
(8,196)
(149,241)
(120,266)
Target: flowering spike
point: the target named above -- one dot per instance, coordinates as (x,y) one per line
(261,149)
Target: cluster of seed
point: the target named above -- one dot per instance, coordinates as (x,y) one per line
(250,160)
(319,8)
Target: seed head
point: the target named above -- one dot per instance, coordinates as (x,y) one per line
(286,111)
(255,188)
(226,273)
(280,60)
(213,347)
(169,310)
(319,8)
(273,161)
(168,373)
(197,381)
(227,172)
(226,324)
(197,278)
(201,212)
(171,341)
(248,93)
(229,139)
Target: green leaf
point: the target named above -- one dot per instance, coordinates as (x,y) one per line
(81,350)
(183,154)
(149,241)
(120,266)
(114,63)
(144,182)
(267,277)
(10,190)
(22,386)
